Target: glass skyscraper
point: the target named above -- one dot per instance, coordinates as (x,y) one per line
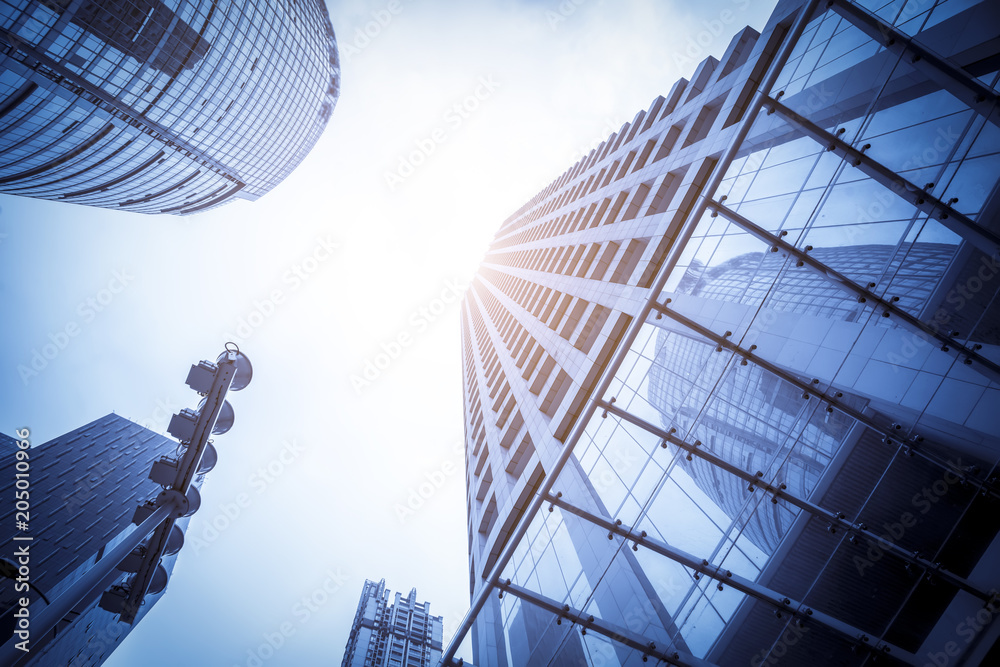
(161,106)
(402,633)
(732,381)
(84,488)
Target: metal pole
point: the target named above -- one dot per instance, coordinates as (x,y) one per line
(980,97)
(50,615)
(621,635)
(633,331)
(972,232)
(782,604)
(812,389)
(988,368)
(187,469)
(836,519)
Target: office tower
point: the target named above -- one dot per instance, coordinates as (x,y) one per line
(731,380)
(398,634)
(161,107)
(84,488)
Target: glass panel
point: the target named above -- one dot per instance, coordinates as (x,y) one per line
(700,621)
(670,580)
(551,564)
(622,600)
(533,636)
(684,516)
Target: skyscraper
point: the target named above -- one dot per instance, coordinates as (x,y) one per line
(731,380)
(400,634)
(160,107)
(84,488)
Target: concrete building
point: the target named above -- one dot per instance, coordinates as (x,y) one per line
(732,380)
(159,107)
(402,633)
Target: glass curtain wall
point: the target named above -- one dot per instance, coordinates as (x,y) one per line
(799,451)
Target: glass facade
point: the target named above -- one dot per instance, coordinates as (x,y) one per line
(732,382)
(84,489)
(161,106)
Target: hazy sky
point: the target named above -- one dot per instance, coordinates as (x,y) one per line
(451,116)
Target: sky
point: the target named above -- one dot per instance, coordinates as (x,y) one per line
(342,285)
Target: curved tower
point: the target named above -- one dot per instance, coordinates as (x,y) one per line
(161,106)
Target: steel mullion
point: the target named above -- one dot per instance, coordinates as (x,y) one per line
(949,344)
(749,356)
(588,622)
(148,126)
(836,519)
(979,97)
(811,389)
(960,224)
(726,577)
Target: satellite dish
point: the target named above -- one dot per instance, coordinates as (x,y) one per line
(244,369)
(209,458)
(159,580)
(194,501)
(174,541)
(132,561)
(224,421)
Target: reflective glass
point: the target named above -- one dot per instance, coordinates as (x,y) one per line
(175,110)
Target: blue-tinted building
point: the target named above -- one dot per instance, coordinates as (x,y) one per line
(732,381)
(84,489)
(161,106)
(739,433)
(401,633)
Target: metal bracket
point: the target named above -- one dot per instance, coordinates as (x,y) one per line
(948,344)
(977,235)
(588,623)
(727,578)
(981,98)
(835,519)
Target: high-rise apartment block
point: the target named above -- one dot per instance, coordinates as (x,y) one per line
(732,381)
(398,634)
(158,107)
(83,489)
